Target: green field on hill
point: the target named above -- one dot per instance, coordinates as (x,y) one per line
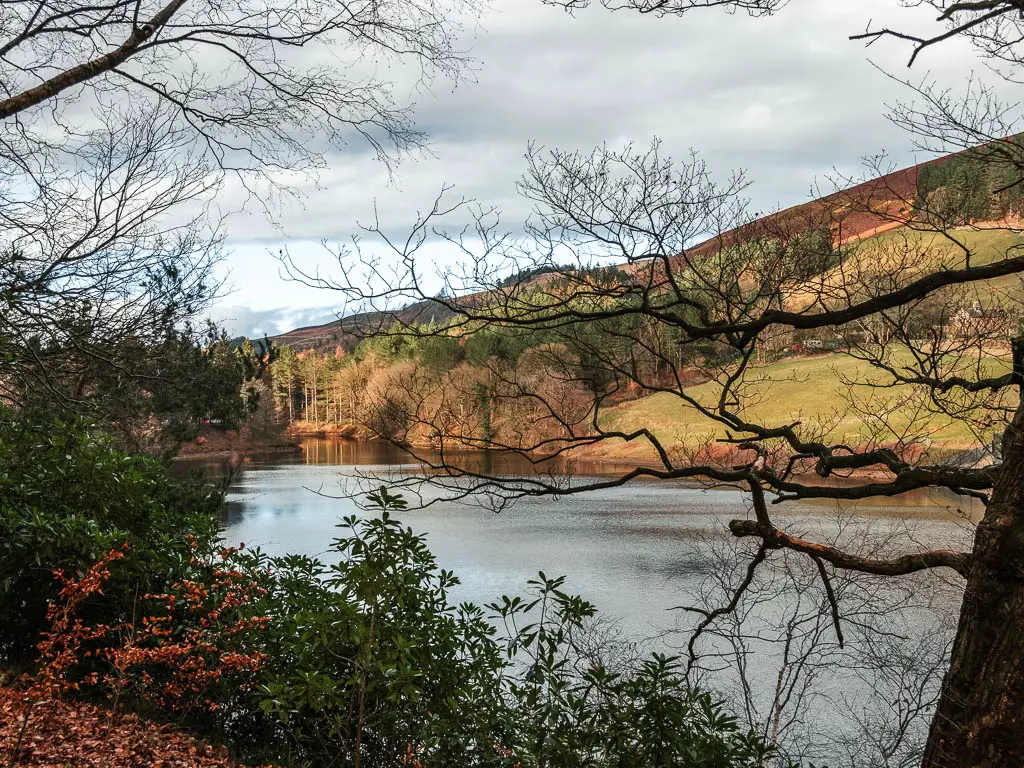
(934,249)
(810,390)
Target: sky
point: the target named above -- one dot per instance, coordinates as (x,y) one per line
(789,99)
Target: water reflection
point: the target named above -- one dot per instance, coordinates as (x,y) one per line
(630,548)
(636,551)
(376,453)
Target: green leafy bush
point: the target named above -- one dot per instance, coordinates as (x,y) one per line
(369,657)
(370,663)
(571,710)
(68,496)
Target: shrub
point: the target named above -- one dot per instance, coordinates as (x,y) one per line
(368,660)
(365,661)
(68,496)
(572,710)
(369,663)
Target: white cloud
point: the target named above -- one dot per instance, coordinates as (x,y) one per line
(788,98)
(255,323)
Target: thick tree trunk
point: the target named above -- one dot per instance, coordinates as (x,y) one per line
(980,717)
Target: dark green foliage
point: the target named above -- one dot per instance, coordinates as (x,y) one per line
(252,361)
(439,352)
(67,496)
(385,347)
(429,347)
(529,273)
(171,385)
(982,183)
(485,401)
(813,252)
(572,711)
(493,345)
(202,376)
(369,656)
(105,333)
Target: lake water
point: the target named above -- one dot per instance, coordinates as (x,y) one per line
(635,551)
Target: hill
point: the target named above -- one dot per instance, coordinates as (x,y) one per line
(859,212)
(854,213)
(880,223)
(345,332)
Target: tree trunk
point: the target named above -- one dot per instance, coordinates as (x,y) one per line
(316,409)
(980,717)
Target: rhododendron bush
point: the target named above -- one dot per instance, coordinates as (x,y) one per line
(68,495)
(362,660)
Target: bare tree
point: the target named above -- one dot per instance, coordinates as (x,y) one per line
(688,259)
(241,76)
(120,123)
(720,301)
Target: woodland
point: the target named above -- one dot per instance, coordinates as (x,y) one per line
(865,345)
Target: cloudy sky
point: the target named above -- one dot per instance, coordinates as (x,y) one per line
(789,99)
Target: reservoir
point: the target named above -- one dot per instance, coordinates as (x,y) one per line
(640,551)
(634,550)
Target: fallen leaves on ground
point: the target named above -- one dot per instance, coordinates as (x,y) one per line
(73,734)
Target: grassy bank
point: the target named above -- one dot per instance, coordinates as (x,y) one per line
(809,390)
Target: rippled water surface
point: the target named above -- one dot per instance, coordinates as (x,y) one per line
(632,550)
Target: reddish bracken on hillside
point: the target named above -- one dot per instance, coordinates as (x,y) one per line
(860,211)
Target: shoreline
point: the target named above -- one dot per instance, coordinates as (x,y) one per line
(239,452)
(215,443)
(239,445)
(618,461)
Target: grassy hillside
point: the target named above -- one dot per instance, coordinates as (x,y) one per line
(913,254)
(985,243)
(809,390)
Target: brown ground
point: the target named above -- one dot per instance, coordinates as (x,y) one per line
(309,429)
(63,734)
(213,442)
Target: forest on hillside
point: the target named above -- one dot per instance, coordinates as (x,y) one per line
(977,185)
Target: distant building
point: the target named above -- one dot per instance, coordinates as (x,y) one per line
(983,321)
(830,344)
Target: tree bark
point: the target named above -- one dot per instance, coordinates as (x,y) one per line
(980,717)
(90,69)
